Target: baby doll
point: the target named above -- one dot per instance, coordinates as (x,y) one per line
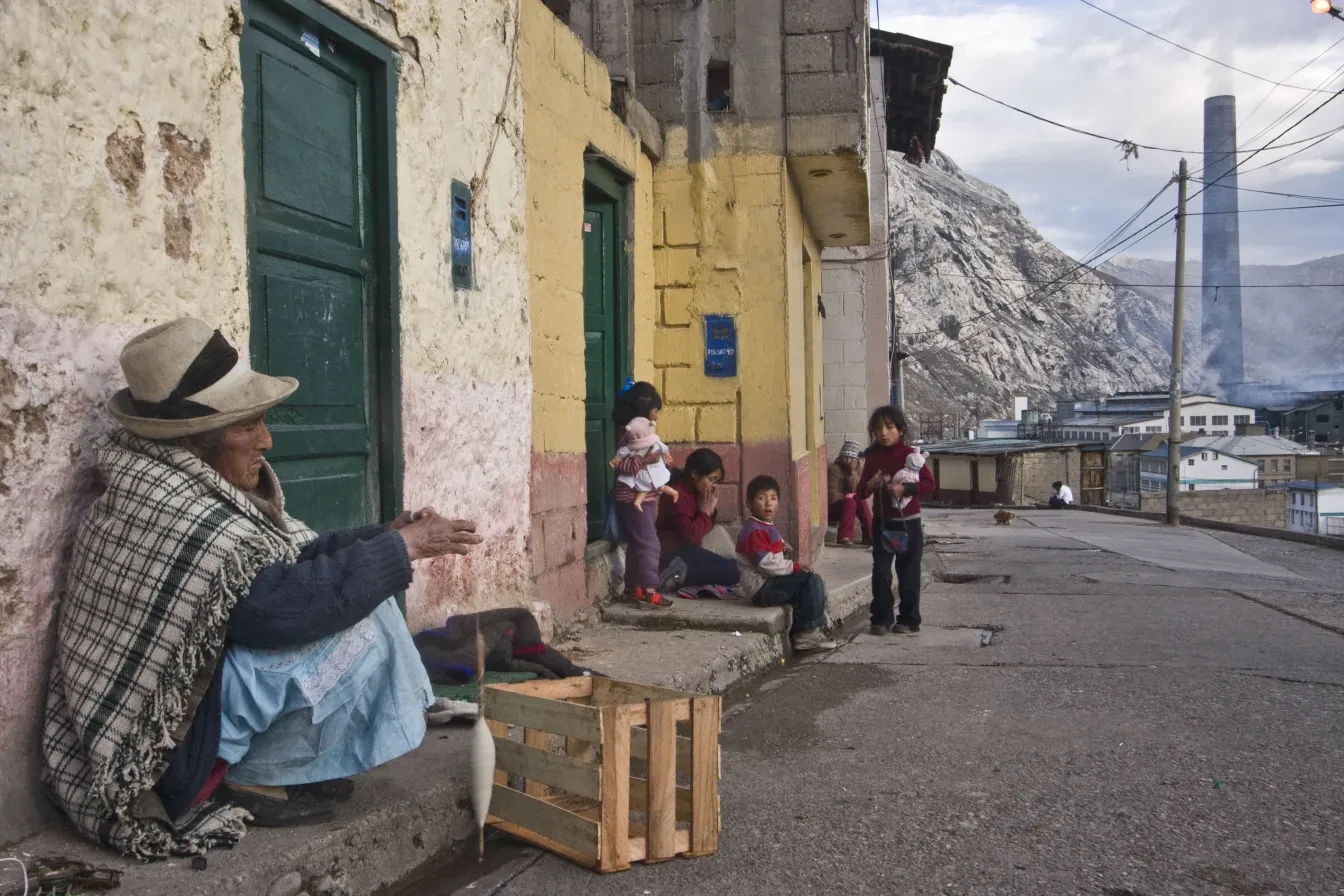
(909,473)
(641,441)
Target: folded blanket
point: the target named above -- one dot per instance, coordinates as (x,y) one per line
(512,644)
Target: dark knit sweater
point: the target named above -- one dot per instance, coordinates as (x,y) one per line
(338,579)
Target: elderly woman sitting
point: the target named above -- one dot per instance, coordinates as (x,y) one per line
(215,656)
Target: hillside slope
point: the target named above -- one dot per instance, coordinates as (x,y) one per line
(959,250)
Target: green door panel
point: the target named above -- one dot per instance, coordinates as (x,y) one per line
(313,249)
(603,235)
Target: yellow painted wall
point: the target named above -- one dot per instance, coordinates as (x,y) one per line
(719,237)
(567,112)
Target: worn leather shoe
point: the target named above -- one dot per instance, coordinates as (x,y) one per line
(337,790)
(271,807)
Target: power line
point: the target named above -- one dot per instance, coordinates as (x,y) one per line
(1117,141)
(1300,68)
(1275,208)
(1173,43)
(1284,195)
(1113,283)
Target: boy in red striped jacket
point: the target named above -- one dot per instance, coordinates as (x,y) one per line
(769,578)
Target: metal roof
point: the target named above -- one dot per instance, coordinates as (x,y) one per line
(1250,446)
(1310,485)
(994,447)
(1188,449)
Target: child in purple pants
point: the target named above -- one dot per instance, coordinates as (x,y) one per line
(642,550)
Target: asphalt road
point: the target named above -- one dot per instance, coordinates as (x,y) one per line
(1157,713)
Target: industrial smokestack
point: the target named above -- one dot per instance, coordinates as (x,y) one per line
(1221,297)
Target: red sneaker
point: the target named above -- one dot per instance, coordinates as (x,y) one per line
(650,597)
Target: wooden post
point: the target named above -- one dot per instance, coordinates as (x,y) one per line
(704,775)
(1177,349)
(614,850)
(662,843)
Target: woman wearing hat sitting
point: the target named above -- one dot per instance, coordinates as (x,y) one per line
(215,656)
(842,485)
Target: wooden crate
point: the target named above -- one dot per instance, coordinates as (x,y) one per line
(579,805)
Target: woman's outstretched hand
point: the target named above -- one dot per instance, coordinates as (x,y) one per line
(430,535)
(406,517)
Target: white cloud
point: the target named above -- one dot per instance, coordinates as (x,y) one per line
(1060,59)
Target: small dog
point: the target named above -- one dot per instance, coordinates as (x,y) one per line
(1004,518)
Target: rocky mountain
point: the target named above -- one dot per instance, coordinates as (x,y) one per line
(977,333)
(1290,329)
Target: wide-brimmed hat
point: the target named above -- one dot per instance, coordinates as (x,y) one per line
(185,378)
(849,449)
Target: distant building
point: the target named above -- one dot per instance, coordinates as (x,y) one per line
(1202,469)
(1148,412)
(1002,471)
(1123,482)
(996,429)
(1315,507)
(1320,422)
(1276,457)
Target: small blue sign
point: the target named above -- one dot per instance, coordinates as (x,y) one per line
(720,345)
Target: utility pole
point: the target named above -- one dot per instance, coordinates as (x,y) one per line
(1177,349)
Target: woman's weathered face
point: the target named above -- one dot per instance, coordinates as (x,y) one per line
(238,459)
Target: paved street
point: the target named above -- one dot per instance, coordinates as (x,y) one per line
(1157,713)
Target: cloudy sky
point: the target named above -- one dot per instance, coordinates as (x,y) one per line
(1066,61)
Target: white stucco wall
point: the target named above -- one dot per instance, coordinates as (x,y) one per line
(122,206)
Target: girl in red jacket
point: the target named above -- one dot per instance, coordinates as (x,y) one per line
(883,459)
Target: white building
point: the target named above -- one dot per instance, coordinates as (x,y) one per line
(1317,508)
(1127,413)
(1276,457)
(1202,469)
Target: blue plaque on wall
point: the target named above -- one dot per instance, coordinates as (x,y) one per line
(720,345)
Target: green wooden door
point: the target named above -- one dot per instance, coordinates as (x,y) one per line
(603,342)
(314,260)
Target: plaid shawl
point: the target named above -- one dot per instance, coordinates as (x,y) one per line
(160,560)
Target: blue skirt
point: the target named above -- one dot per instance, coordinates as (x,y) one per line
(330,709)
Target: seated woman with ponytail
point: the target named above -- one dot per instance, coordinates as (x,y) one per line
(684,521)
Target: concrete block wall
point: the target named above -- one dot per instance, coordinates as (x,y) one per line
(1034,471)
(1257,507)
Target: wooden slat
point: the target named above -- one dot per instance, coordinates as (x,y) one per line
(541,842)
(639,798)
(639,748)
(639,843)
(554,716)
(607,691)
(544,767)
(501,732)
(541,742)
(541,818)
(662,780)
(579,749)
(559,689)
(704,775)
(614,850)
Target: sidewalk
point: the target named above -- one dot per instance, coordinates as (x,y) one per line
(413,811)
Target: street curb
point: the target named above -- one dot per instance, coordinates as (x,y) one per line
(1320,541)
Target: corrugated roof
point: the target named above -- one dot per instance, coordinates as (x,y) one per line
(1249,446)
(993,447)
(1187,449)
(1309,485)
